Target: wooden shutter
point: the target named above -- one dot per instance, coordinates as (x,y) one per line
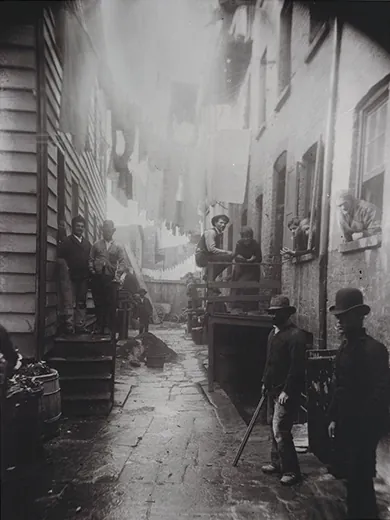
(290,204)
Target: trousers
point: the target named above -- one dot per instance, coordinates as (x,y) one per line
(283,453)
(104,293)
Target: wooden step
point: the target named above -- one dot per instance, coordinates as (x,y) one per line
(86,384)
(80,346)
(74,366)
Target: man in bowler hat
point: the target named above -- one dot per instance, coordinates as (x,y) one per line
(283,382)
(209,249)
(359,409)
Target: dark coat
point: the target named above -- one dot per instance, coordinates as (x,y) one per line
(285,366)
(246,271)
(360,403)
(144,310)
(76,256)
(131,284)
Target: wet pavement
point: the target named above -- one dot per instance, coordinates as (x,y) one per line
(166,452)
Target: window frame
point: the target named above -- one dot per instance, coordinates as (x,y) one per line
(287,9)
(369,106)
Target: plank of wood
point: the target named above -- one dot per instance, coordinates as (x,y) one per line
(18,79)
(17,243)
(17,283)
(18,121)
(239,298)
(18,322)
(18,183)
(13,263)
(18,162)
(17,303)
(13,142)
(20,35)
(17,223)
(265,283)
(18,100)
(22,202)
(17,58)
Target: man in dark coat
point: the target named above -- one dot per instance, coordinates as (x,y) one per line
(75,250)
(359,409)
(283,382)
(106,264)
(209,249)
(247,253)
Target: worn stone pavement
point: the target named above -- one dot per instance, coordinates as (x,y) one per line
(166,453)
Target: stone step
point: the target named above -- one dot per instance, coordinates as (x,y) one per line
(85,384)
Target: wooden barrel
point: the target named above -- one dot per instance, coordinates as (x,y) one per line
(50,402)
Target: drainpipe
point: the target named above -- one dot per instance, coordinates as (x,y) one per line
(327,183)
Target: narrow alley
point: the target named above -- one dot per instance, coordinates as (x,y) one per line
(166,452)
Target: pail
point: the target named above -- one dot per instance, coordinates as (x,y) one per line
(50,402)
(155,360)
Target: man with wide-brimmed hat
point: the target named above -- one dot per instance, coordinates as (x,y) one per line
(209,250)
(283,382)
(359,409)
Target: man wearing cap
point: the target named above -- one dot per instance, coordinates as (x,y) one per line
(283,382)
(209,248)
(359,409)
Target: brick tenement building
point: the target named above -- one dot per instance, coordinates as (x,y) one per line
(294,52)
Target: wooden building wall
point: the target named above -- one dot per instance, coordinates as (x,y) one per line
(83,177)
(18,186)
(84,174)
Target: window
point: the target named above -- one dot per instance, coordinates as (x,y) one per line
(280,192)
(244,218)
(285,45)
(373,140)
(259,216)
(75,199)
(318,17)
(86,216)
(263,90)
(306,181)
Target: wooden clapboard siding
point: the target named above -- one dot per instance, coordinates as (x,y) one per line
(79,168)
(18,185)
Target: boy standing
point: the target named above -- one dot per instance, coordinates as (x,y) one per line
(145,311)
(74,250)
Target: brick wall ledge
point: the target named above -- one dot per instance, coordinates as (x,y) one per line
(372,242)
(285,94)
(316,43)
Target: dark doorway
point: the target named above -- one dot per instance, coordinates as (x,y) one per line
(280,191)
(259,215)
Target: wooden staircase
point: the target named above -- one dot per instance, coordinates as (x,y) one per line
(86,366)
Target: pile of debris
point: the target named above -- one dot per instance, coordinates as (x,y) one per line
(136,350)
(35,369)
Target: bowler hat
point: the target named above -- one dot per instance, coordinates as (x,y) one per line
(215,219)
(348,299)
(279,303)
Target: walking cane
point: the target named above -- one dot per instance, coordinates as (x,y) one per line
(249,430)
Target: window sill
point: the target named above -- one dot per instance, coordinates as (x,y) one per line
(283,97)
(261,131)
(362,244)
(308,257)
(317,41)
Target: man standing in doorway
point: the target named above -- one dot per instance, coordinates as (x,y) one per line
(359,410)
(283,382)
(208,253)
(106,264)
(74,250)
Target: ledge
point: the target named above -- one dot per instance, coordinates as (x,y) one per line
(308,257)
(372,242)
(283,97)
(261,131)
(317,41)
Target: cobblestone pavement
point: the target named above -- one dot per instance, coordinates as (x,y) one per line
(166,453)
